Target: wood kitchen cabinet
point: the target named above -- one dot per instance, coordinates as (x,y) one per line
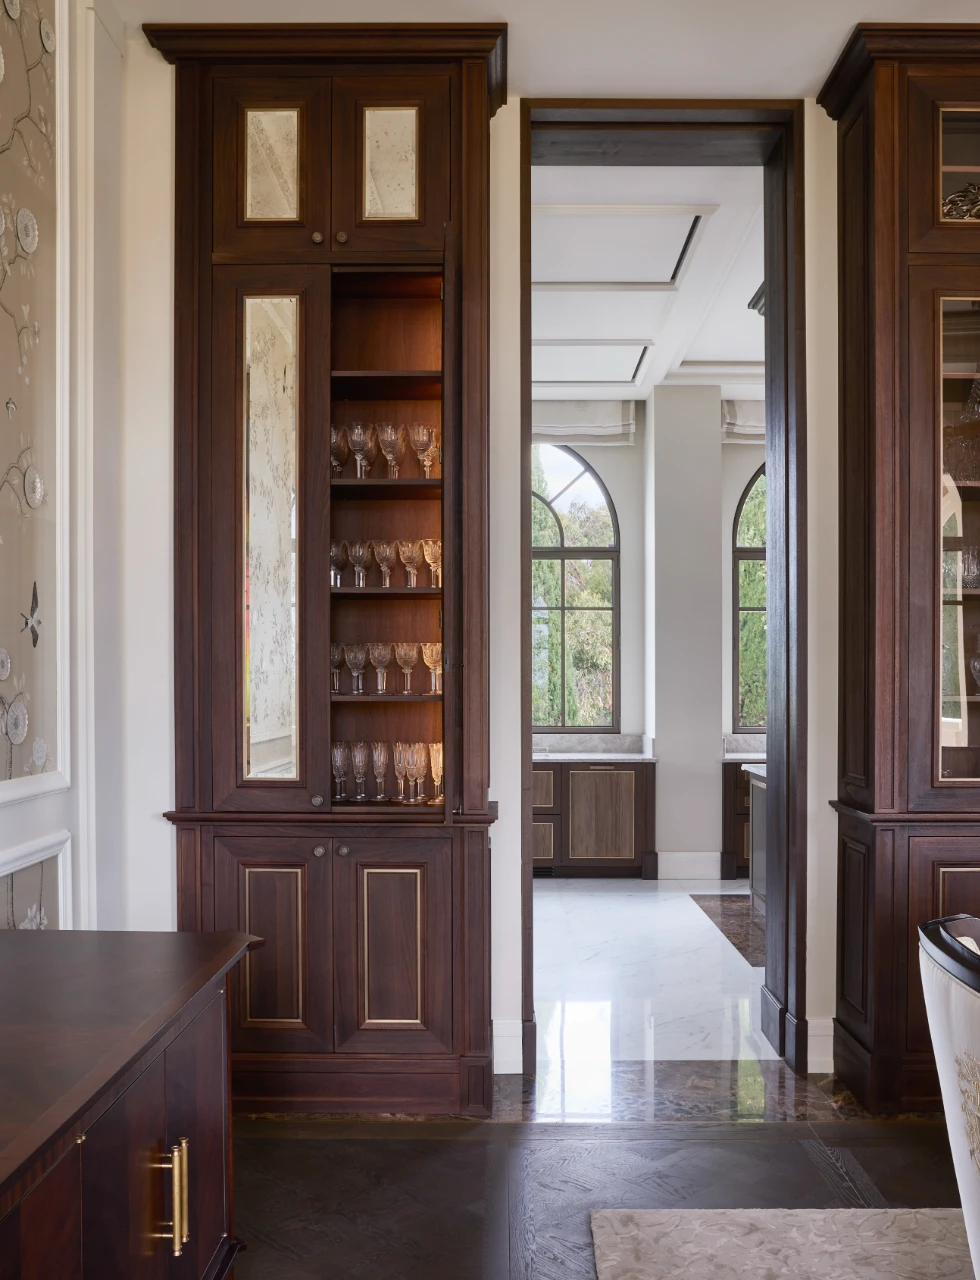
(734,821)
(594,818)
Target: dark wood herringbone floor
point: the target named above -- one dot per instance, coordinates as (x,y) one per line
(436,1200)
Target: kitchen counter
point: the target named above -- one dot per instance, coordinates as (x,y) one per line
(742,757)
(592,757)
(756,771)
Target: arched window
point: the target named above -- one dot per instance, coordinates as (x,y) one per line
(574,594)
(749,608)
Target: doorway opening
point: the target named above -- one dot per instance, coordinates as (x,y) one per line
(663,448)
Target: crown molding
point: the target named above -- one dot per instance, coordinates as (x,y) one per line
(871,41)
(368,42)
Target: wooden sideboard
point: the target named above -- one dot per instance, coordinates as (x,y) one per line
(594,817)
(114,1069)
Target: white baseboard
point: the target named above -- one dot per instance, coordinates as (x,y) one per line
(820,1045)
(689,866)
(508,1046)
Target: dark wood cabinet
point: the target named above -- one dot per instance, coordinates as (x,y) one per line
(115,1147)
(331,279)
(593,818)
(734,821)
(907,102)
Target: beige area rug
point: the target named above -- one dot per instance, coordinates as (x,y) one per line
(766,1244)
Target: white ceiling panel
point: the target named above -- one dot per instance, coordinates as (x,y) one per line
(607,247)
(584,364)
(598,314)
(730,330)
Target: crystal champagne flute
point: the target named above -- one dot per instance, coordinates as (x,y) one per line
(359,436)
(379,755)
(338,562)
(340,757)
(339,450)
(431,456)
(435,767)
(420,438)
(391,442)
(411,771)
(379,655)
(421,765)
(355,656)
(359,754)
(336,662)
(360,558)
(400,760)
(386,554)
(432,550)
(411,557)
(406,655)
(432,657)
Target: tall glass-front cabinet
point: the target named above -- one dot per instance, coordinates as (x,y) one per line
(907,99)
(331,551)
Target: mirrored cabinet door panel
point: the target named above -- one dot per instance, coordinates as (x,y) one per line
(272,167)
(391,146)
(944,153)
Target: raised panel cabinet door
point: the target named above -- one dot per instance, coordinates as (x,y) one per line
(546,841)
(271,168)
(546,788)
(944,161)
(197,1121)
(391,162)
(393,945)
(603,803)
(277,889)
(269,528)
(127,1211)
(42,1237)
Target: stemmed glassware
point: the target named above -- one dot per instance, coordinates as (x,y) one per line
(359,755)
(432,550)
(355,656)
(336,662)
(379,753)
(339,450)
(386,554)
(431,455)
(407,655)
(417,767)
(340,756)
(379,656)
(420,437)
(400,757)
(411,557)
(338,562)
(435,766)
(360,436)
(432,657)
(391,441)
(360,558)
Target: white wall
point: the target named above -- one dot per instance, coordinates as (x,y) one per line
(739,463)
(687,519)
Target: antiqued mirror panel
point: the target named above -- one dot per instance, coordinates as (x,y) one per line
(270,431)
(959,631)
(960,164)
(391,180)
(272,164)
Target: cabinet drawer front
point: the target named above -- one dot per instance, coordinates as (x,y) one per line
(279,890)
(546,842)
(601,809)
(393,960)
(545,787)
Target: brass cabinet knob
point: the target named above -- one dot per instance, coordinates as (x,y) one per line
(318,237)
(317,801)
(342,237)
(319,851)
(344,850)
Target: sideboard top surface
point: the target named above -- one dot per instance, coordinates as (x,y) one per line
(76,1007)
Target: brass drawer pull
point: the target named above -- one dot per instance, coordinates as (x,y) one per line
(185,1174)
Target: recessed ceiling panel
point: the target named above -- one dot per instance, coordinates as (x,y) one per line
(584,364)
(598,314)
(607,247)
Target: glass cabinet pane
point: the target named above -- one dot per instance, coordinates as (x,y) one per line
(272,165)
(270,434)
(959,565)
(391,187)
(960,162)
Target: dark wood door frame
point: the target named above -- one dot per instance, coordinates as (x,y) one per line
(768,133)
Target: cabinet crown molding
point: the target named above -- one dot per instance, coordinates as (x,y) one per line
(304,42)
(872,41)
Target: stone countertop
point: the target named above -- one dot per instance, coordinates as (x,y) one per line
(590,757)
(741,757)
(756,771)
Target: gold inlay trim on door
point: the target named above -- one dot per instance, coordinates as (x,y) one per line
(275,1022)
(393,1022)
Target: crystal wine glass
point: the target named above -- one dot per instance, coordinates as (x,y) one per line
(340,755)
(379,655)
(339,450)
(379,754)
(418,762)
(336,662)
(400,759)
(420,438)
(391,441)
(355,656)
(338,562)
(432,657)
(431,455)
(386,554)
(432,550)
(360,436)
(406,655)
(360,754)
(411,556)
(360,558)
(435,766)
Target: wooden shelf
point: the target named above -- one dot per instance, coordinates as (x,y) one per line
(386,490)
(396,593)
(386,384)
(386,697)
